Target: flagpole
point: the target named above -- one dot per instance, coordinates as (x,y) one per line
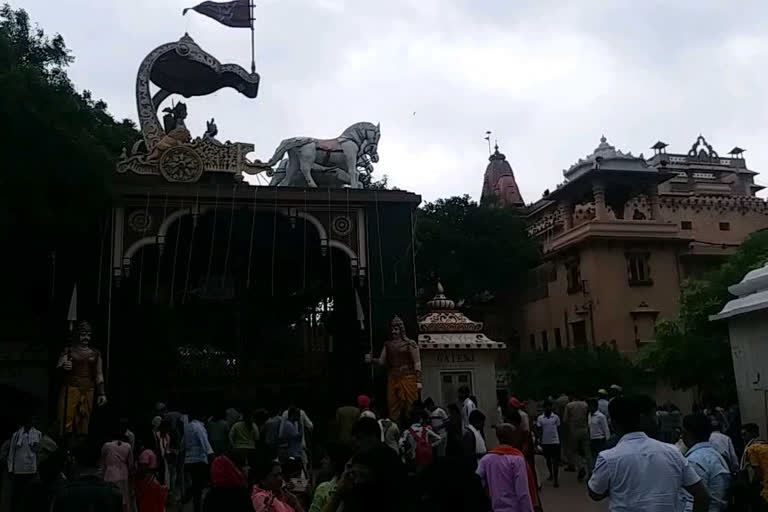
(253,52)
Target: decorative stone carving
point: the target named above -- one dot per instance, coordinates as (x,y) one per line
(140,221)
(699,152)
(167,149)
(401,356)
(443,326)
(342,225)
(181,164)
(211,130)
(720,204)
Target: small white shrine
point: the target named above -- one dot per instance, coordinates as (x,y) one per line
(747,317)
(455,353)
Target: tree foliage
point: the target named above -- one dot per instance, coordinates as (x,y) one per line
(574,370)
(477,251)
(57,151)
(692,351)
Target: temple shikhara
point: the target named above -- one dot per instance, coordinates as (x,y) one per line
(619,235)
(499,185)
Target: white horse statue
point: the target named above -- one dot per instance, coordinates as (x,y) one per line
(355,147)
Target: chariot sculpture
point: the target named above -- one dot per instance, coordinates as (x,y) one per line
(168,149)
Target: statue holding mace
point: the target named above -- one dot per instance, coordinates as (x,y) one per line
(83,377)
(401,356)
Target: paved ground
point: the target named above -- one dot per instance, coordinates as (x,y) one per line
(571,496)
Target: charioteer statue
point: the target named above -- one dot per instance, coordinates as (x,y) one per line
(401,357)
(84,378)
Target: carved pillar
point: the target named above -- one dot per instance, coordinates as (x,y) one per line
(566,211)
(598,193)
(653,199)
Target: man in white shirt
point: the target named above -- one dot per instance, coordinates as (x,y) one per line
(641,474)
(548,425)
(22,461)
(474,442)
(598,432)
(467,405)
(602,403)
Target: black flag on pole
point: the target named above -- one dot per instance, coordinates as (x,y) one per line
(232,14)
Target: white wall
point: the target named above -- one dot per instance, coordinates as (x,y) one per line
(749,348)
(480,363)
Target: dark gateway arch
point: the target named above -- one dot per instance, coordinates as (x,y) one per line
(230,294)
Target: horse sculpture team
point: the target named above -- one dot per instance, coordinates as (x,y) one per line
(356,147)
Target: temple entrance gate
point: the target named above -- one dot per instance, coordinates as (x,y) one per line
(221,293)
(262,292)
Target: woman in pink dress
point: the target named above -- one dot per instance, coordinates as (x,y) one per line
(117,464)
(268,494)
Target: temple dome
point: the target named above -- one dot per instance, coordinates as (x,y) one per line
(440,301)
(445,327)
(499,182)
(606,156)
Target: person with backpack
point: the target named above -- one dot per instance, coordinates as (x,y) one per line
(439,421)
(418,442)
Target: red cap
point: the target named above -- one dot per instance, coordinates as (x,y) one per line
(514,402)
(364,402)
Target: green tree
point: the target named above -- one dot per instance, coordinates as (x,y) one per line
(691,351)
(57,151)
(574,370)
(477,251)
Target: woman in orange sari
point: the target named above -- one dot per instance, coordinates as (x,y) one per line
(401,356)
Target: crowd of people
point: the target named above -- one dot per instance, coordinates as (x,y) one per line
(644,457)
(435,457)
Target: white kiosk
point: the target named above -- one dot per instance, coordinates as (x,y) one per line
(455,353)
(747,317)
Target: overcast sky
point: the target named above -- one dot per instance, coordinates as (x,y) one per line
(547,77)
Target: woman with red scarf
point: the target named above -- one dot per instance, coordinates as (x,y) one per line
(229,486)
(507,476)
(151,496)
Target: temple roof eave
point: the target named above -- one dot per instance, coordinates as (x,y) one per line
(581,184)
(451,321)
(445,327)
(458,342)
